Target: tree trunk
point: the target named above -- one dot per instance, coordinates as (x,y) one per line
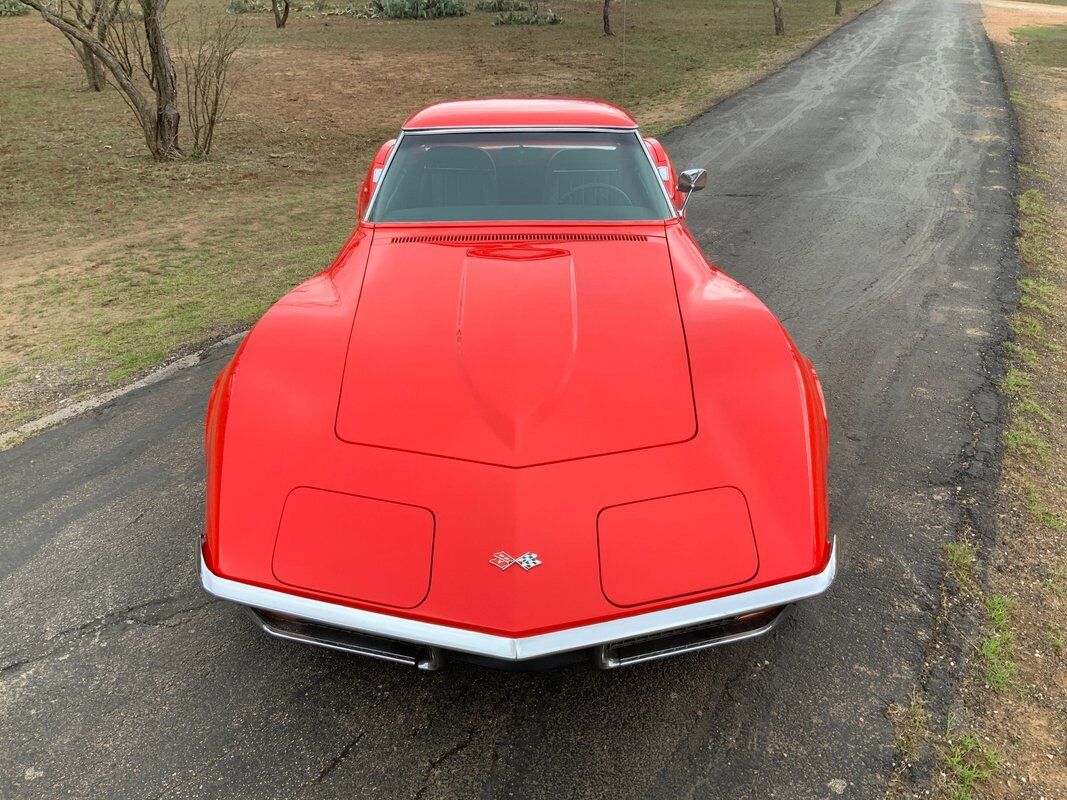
(779,18)
(607,18)
(281,12)
(164,139)
(94,70)
(837,8)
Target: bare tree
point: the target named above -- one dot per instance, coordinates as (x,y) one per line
(779,18)
(607,18)
(206,57)
(281,12)
(837,8)
(134,51)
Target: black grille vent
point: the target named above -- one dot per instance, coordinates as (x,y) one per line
(458,238)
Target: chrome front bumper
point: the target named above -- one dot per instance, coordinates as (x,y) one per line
(617,642)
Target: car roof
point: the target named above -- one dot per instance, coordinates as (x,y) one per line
(549,112)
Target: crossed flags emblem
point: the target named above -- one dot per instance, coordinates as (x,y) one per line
(527,560)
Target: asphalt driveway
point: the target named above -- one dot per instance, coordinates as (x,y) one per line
(864,193)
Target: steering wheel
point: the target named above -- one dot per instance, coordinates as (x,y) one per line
(605,186)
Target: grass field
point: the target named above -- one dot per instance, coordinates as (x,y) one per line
(111,263)
(1043,46)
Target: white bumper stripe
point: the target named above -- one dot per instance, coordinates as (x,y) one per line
(519,649)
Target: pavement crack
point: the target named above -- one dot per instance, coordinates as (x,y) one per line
(336,761)
(457,748)
(141,614)
(434,763)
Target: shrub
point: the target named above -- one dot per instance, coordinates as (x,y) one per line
(13,8)
(245,7)
(416,9)
(348,10)
(549,17)
(501,5)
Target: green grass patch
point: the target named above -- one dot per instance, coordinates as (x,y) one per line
(910,723)
(1025,354)
(27,414)
(1033,203)
(969,763)
(996,646)
(961,562)
(1036,245)
(998,607)
(1000,670)
(1028,104)
(1056,637)
(1057,583)
(1025,325)
(1043,45)
(1016,383)
(1021,434)
(1036,292)
(1040,511)
(1026,169)
(1029,405)
(8,373)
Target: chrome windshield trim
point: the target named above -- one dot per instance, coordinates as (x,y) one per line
(512,129)
(675,213)
(522,648)
(381,176)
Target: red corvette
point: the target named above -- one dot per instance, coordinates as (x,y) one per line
(519,420)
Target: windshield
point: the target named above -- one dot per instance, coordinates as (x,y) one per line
(520,175)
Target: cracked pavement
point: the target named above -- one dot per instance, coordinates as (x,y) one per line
(865,193)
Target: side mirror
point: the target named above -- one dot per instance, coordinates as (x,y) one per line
(691,180)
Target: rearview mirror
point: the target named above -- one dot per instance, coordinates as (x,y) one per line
(691,180)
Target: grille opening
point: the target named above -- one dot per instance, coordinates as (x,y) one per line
(293,629)
(462,238)
(686,640)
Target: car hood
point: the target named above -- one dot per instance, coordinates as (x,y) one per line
(455,361)
(517,353)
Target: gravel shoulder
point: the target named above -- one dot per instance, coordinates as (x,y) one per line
(1007,734)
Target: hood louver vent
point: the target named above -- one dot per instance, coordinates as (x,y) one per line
(520,237)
